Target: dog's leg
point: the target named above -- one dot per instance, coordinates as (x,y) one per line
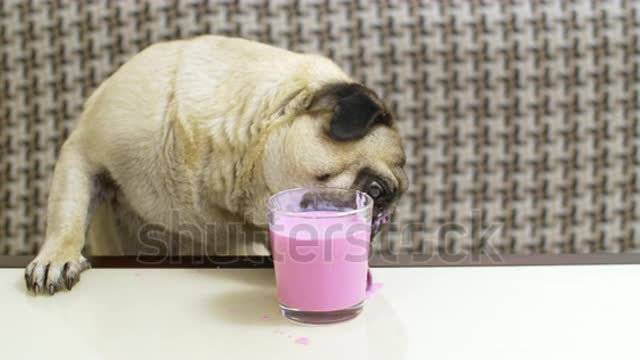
(73,189)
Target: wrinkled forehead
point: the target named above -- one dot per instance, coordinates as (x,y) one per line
(307,140)
(382,144)
(386,143)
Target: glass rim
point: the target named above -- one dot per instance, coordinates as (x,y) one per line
(335,214)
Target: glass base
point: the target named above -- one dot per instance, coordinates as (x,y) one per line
(321,317)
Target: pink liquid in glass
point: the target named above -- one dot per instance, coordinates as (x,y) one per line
(322,266)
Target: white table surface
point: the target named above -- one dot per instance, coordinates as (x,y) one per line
(550,312)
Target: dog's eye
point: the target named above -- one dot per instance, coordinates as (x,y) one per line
(323,177)
(375,190)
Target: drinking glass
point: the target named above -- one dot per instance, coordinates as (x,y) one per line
(320,244)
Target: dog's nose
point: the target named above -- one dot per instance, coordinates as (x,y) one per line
(381,212)
(384,202)
(379,218)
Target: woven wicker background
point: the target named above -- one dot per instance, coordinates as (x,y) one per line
(520,116)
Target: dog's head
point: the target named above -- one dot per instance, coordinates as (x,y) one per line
(346,138)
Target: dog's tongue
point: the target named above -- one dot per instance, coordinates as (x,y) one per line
(378,221)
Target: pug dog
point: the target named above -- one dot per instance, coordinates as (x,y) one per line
(208,129)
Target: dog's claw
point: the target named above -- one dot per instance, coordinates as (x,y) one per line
(69,283)
(51,276)
(70,280)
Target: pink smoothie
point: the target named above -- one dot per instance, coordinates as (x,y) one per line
(320,263)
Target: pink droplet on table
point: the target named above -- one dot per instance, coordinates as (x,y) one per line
(375,287)
(303,341)
(265,317)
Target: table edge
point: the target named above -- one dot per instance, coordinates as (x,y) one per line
(378,260)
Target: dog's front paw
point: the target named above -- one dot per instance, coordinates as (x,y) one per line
(49,274)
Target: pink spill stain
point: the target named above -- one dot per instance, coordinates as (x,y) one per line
(265,317)
(375,287)
(303,341)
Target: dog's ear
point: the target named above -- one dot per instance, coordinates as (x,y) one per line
(355,108)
